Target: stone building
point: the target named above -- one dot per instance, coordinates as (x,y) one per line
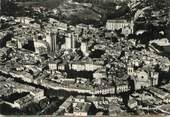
(127,27)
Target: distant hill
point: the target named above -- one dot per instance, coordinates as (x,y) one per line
(45,3)
(74,12)
(77,13)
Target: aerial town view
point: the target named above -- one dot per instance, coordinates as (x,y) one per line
(85,57)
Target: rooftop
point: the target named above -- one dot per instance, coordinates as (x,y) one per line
(25,100)
(117,21)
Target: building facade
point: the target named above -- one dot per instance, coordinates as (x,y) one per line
(127,27)
(143,78)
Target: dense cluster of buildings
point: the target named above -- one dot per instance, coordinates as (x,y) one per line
(107,63)
(10,89)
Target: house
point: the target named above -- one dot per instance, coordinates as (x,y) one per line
(52,66)
(92,66)
(41,47)
(81,109)
(24,101)
(67,81)
(101,73)
(78,66)
(61,66)
(105,91)
(24,76)
(158,93)
(85,65)
(100,103)
(79,99)
(38,94)
(122,88)
(24,20)
(126,26)
(66,106)
(132,103)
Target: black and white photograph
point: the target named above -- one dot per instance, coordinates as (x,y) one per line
(83,58)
